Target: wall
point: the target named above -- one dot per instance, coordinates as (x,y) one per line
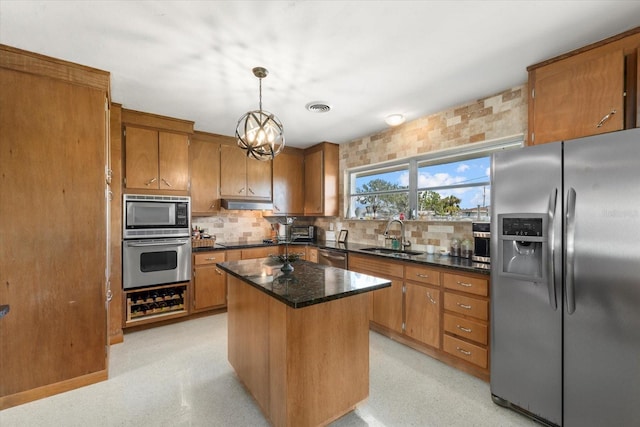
(490,118)
(497,116)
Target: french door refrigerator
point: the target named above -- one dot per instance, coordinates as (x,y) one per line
(565,280)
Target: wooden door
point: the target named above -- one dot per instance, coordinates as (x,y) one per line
(233,172)
(259,177)
(572,97)
(422,311)
(205,175)
(52,228)
(173,153)
(387,306)
(209,287)
(288,183)
(141,158)
(313,183)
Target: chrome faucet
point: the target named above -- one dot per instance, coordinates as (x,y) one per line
(404,243)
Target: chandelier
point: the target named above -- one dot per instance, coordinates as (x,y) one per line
(260,132)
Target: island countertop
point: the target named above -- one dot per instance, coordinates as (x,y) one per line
(307,285)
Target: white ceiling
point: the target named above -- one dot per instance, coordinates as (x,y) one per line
(367,59)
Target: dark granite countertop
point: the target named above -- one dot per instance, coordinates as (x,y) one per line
(307,285)
(456,263)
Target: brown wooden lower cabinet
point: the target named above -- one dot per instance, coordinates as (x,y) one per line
(209,282)
(441,312)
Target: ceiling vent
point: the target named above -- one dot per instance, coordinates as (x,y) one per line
(318,107)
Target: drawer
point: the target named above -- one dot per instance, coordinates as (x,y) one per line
(466,328)
(419,274)
(463,350)
(213,257)
(472,285)
(467,305)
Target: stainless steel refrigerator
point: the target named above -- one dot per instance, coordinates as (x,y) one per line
(565,280)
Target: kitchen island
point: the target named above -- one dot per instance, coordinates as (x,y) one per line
(299,341)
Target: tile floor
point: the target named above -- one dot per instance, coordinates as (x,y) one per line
(178,375)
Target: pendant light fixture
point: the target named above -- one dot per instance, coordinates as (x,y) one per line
(260,132)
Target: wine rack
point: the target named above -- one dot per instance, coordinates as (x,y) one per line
(156,303)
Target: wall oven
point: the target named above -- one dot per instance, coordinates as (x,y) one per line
(156,246)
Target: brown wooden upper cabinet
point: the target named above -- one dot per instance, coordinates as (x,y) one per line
(589,91)
(156,152)
(288,182)
(205,173)
(242,177)
(321,180)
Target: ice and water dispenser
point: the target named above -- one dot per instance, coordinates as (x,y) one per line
(522,246)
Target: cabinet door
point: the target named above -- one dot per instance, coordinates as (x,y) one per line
(205,173)
(422,305)
(259,175)
(141,158)
(573,96)
(387,306)
(233,171)
(313,183)
(173,151)
(209,287)
(288,188)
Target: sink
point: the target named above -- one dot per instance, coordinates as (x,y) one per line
(393,252)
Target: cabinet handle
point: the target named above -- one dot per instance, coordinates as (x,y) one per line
(276,208)
(463,351)
(463,329)
(605,118)
(466,285)
(251,191)
(166,183)
(241,190)
(424,276)
(151,181)
(465,306)
(431,298)
(219,272)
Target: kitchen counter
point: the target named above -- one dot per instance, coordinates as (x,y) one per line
(299,341)
(436,260)
(307,284)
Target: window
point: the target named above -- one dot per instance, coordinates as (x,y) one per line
(446,185)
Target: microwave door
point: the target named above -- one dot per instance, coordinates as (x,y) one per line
(150,214)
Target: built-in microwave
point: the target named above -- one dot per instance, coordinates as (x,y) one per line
(154,216)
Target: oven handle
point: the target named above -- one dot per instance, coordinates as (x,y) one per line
(139,245)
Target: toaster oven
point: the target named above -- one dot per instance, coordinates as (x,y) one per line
(306,233)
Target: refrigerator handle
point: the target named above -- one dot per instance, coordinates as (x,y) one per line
(569,255)
(551,239)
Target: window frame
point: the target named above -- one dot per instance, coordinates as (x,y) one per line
(413,164)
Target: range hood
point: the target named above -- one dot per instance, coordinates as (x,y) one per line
(246,205)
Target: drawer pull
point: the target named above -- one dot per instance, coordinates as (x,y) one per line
(463,351)
(463,329)
(210,258)
(219,272)
(424,276)
(605,118)
(431,298)
(466,285)
(465,306)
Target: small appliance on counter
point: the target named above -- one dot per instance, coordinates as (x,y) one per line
(305,233)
